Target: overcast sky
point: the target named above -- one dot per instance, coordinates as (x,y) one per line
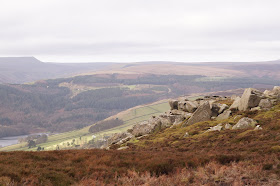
(141,30)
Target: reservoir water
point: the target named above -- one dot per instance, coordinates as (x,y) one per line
(10,140)
(6,141)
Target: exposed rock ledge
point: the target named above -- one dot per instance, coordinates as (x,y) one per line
(186,112)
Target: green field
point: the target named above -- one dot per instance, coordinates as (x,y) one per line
(82,136)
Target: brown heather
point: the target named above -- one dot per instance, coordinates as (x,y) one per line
(229,157)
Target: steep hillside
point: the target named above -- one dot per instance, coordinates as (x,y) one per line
(66,104)
(193,154)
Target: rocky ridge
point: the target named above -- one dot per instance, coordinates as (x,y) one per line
(185,112)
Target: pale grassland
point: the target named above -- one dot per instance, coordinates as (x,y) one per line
(214,78)
(77,89)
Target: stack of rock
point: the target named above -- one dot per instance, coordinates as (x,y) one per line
(186,112)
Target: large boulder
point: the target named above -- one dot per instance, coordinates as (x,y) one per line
(225,115)
(142,128)
(147,127)
(250,98)
(187,106)
(245,123)
(173,104)
(203,113)
(265,103)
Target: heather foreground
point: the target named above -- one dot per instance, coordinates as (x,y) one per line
(229,157)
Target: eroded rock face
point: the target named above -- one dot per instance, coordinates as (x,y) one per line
(203,113)
(250,98)
(245,123)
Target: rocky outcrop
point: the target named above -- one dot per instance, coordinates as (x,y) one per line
(204,109)
(245,123)
(145,127)
(250,98)
(203,113)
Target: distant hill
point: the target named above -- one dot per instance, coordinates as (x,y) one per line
(223,69)
(29,69)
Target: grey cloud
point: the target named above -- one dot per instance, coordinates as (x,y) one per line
(109,30)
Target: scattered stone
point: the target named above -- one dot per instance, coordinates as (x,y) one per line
(265,103)
(123,148)
(228,126)
(203,113)
(218,127)
(258,127)
(245,123)
(255,109)
(250,98)
(186,135)
(225,115)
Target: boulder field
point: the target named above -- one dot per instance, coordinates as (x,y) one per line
(185,112)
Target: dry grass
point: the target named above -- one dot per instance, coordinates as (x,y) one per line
(230,157)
